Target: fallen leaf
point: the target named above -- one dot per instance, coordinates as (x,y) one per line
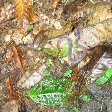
(12,92)
(23,12)
(18,56)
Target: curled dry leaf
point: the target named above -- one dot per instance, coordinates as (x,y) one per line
(18,56)
(23,12)
(12,92)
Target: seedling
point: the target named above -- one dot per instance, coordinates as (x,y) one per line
(105,77)
(68,73)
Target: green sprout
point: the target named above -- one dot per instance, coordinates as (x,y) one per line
(68,73)
(64,51)
(76,108)
(110,81)
(30,27)
(106,76)
(74,47)
(48,62)
(46,73)
(86,98)
(52,52)
(55,110)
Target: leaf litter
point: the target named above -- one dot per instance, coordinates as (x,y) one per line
(37,59)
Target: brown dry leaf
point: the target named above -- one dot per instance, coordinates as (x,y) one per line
(18,56)
(21,56)
(55,4)
(78,79)
(23,11)
(12,92)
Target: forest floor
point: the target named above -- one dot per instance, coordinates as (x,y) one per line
(48,53)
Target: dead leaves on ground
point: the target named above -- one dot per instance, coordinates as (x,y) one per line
(12,92)
(55,4)
(23,12)
(18,56)
(6,12)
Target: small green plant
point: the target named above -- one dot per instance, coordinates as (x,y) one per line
(110,81)
(86,98)
(68,73)
(30,27)
(52,52)
(74,47)
(46,73)
(55,110)
(75,109)
(105,77)
(48,62)
(51,92)
(64,51)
